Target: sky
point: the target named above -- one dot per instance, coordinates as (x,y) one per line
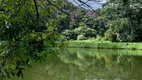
(94,5)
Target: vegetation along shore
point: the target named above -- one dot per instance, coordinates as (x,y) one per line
(104,45)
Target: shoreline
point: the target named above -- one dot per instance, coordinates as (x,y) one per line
(104,45)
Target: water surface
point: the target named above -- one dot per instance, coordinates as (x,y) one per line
(88,64)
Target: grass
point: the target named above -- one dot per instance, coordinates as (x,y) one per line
(94,52)
(104,45)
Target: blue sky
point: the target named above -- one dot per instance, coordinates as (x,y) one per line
(91,3)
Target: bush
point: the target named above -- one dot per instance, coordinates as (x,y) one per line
(81,37)
(109,35)
(99,38)
(86,31)
(69,34)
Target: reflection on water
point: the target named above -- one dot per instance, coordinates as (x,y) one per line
(88,64)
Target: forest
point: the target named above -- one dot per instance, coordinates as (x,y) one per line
(116,22)
(30,30)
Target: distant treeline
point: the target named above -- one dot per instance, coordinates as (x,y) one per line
(121,22)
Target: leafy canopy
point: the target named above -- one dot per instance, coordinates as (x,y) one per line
(28,31)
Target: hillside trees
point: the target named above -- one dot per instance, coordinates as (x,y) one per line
(125,19)
(117,20)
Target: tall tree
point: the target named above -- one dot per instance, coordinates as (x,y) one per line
(28,30)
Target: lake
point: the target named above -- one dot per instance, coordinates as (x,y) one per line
(88,64)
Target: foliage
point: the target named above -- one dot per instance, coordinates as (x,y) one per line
(99,38)
(63,23)
(28,26)
(109,35)
(72,34)
(117,20)
(86,31)
(81,37)
(97,23)
(69,34)
(25,27)
(119,31)
(125,19)
(104,45)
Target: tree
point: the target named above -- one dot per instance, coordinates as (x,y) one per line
(124,19)
(28,31)
(28,26)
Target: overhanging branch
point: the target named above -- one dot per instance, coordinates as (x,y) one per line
(57,7)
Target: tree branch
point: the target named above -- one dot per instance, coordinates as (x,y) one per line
(57,7)
(85,3)
(37,12)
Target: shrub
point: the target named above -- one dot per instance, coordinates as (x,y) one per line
(81,37)
(69,34)
(86,31)
(100,38)
(109,35)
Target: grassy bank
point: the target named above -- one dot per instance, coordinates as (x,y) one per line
(104,45)
(101,52)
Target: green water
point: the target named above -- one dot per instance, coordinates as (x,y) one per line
(88,64)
